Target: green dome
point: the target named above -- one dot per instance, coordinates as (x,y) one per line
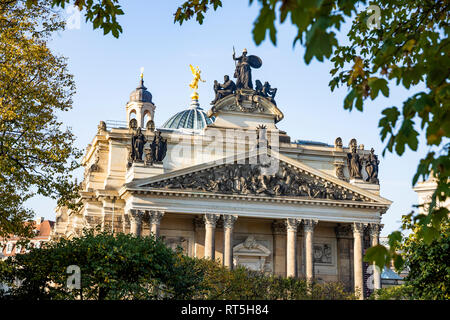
(193,118)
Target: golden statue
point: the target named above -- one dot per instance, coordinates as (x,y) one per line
(194,84)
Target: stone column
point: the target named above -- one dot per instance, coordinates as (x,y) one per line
(155,217)
(279,248)
(135,222)
(308,228)
(228,223)
(210,228)
(291,229)
(374,230)
(358,233)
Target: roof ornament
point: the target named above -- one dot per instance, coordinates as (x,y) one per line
(142,73)
(194,83)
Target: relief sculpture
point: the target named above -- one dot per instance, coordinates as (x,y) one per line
(248,179)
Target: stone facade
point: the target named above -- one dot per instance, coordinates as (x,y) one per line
(239,191)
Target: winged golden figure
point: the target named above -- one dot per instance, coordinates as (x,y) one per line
(196,73)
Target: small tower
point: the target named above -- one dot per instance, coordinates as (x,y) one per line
(141,105)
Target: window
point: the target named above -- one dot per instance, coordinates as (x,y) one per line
(9,247)
(18,248)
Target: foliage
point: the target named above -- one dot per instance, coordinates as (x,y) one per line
(34,87)
(428,264)
(103,14)
(112,267)
(401,292)
(126,267)
(242,284)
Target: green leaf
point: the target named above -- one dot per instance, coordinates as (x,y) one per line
(264,22)
(377,84)
(378,254)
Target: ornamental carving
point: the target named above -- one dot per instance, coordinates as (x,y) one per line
(309,225)
(292,224)
(249,179)
(229,220)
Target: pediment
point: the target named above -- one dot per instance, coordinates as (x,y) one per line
(259,174)
(250,247)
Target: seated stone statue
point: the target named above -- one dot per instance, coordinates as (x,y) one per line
(259,88)
(222,90)
(265,90)
(269,92)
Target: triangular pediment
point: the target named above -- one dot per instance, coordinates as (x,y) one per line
(259,173)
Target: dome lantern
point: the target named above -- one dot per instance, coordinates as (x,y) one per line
(140,105)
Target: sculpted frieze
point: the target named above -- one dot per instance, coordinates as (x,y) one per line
(249,179)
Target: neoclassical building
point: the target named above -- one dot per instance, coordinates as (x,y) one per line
(227,183)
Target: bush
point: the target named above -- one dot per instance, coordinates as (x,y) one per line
(243,284)
(112,267)
(401,292)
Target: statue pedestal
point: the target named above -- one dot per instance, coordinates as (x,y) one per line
(139,170)
(371,187)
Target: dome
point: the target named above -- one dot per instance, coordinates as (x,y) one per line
(193,118)
(141,94)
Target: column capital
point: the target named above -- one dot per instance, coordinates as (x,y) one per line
(292,224)
(358,227)
(309,224)
(279,227)
(136,215)
(375,229)
(229,220)
(155,216)
(343,231)
(211,219)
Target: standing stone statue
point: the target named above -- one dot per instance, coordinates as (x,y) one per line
(138,141)
(372,167)
(243,72)
(158,147)
(354,163)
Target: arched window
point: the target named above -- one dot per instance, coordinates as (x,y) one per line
(146,118)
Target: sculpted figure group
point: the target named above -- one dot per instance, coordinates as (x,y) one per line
(243,75)
(355,164)
(247,179)
(155,154)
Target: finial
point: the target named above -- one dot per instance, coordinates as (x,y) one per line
(142,73)
(194,83)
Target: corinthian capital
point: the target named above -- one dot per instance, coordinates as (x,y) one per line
(136,215)
(229,220)
(375,229)
(155,216)
(358,227)
(211,219)
(309,225)
(292,224)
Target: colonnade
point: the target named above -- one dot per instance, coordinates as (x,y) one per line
(292,226)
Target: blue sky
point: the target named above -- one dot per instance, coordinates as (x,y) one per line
(106,70)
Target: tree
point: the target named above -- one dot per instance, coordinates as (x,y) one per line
(36,153)
(429,271)
(111,267)
(396,42)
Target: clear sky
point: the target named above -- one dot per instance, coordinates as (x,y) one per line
(106,70)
